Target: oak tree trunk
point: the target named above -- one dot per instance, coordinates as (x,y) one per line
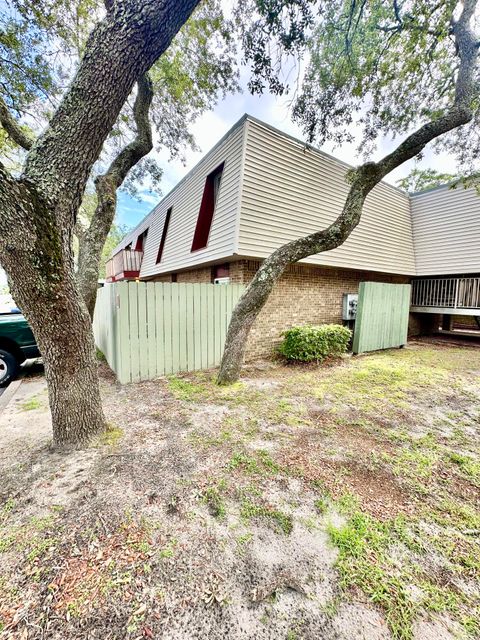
(38,211)
(66,343)
(41,277)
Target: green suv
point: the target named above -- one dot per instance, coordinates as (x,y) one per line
(17,344)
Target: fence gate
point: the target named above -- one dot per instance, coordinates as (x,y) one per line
(382,316)
(149,329)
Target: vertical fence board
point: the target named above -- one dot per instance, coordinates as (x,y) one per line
(152,340)
(168,328)
(203,338)
(142,331)
(217,313)
(190,341)
(123,338)
(223,313)
(210,327)
(197,327)
(134,338)
(158,347)
(148,329)
(177,332)
(382,316)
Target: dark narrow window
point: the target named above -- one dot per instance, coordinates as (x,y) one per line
(140,245)
(164,235)
(220,271)
(207,208)
(174,277)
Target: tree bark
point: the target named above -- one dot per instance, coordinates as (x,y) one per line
(92,240)
(38,211)
(363,180)
(13,129)
(42,283)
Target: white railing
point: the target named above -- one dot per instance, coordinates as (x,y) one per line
(446,293)
(124,261)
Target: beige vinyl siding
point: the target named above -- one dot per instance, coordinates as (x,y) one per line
(185,200)
(290,191)
(446,226)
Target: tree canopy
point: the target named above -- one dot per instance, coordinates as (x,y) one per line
(41,44)
(379,67)
(419,179)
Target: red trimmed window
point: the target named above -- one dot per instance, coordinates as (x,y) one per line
(140,244)
(164,235)
(207,208)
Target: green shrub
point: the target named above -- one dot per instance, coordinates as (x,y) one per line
(314,343)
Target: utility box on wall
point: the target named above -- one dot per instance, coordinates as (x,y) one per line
(382,316)
(350,301)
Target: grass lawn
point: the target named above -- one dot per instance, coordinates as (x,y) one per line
(340,501)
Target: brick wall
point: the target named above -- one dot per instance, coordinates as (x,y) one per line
(424,324)
(165,278)
(202,275)
(304,294)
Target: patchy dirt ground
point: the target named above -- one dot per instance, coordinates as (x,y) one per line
(335,502)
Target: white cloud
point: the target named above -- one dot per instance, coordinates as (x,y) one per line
(146,196)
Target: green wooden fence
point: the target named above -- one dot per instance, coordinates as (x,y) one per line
(150,329)
(382,316)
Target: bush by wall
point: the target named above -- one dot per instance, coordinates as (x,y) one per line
(314,343)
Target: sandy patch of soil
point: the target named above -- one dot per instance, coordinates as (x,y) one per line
(209,515)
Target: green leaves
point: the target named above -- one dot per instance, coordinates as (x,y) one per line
(419,179)
(315,343)
(380,65)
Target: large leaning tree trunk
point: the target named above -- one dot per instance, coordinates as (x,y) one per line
(92,239)
(362,180)
(38,210)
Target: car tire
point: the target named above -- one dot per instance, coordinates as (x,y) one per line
(8,367)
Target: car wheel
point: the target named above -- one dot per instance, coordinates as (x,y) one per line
(8,367)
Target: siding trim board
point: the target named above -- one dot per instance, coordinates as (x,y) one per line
(166,224)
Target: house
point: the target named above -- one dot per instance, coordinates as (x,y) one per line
(259,188)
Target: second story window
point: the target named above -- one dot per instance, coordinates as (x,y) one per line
(164,234)
(207,208)
(140,244)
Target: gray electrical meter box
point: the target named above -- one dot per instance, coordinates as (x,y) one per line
(350,301)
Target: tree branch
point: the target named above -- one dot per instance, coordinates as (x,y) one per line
(93,239)
(142,144)
(14,130)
